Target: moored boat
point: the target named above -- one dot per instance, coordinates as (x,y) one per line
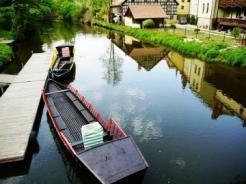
(62,63)
(100,146)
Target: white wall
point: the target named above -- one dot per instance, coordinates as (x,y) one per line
(206,11)
(129,22)
(193,7)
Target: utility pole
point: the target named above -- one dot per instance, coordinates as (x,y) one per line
(197,14)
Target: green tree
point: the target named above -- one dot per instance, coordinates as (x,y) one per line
(26,14)
(236,32)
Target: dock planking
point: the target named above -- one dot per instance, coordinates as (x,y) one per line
(6,79)
(19,106)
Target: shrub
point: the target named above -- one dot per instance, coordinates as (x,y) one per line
(148,23)
(212,53)
(235,56)
(5,53)
(192,20)
(236,32)
(6,35)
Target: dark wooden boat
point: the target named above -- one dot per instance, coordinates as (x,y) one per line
(112,160)
(62,63)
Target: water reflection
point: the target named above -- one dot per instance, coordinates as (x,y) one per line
(112,62)
(146,56)
(166,107)
(219,87)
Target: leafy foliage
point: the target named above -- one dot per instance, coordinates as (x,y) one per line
(5,54)
(191,19)
(236,32)
(6,15)
(6,35)
(148,23)
(69,11)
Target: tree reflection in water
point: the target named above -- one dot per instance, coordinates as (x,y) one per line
(113,64)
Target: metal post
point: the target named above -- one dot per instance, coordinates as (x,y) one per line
(197,13)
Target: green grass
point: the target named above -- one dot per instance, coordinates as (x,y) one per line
(7,35)
(5,54)
(201,35)
(208,50)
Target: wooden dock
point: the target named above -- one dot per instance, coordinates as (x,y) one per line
(6,79)
(19,106)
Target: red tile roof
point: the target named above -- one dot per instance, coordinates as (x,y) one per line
(232,3)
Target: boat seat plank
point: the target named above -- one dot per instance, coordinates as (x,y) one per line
(114,160)
(60,123)
(54,111)
(77,143)
(78,105)
(87,116)
(71,96)
(54,92)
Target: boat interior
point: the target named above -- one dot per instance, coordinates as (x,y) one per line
(70,115)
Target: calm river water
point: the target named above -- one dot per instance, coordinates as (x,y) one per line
(187,117)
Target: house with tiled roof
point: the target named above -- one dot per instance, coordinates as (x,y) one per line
(223,14)
(231,13)
(140,10)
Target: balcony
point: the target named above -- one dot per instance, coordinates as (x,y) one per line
(232,22)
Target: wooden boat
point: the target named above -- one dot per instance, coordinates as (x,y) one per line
(62,64)
(107,151)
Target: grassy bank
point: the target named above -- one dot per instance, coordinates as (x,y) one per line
(209,51)
(5,50)
(5,54)
(6,35)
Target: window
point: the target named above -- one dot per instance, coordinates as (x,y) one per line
(182,7)
(188,1)
(199,69)
(183,1)
(203,7)
(195,69)
(207,7)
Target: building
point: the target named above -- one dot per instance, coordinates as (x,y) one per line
(209,83)
(145,57)
(183,10)
(135,15)
(231,13)
(119,8)
(205,11)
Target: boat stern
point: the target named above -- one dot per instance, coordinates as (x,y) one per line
(114,161)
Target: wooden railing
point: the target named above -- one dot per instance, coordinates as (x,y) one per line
(232,22)
(111,125)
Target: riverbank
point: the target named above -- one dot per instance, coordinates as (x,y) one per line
(209,51)
(5,54)
(5,50)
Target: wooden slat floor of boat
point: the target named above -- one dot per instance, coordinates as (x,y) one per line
(19,105)
(71,116)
